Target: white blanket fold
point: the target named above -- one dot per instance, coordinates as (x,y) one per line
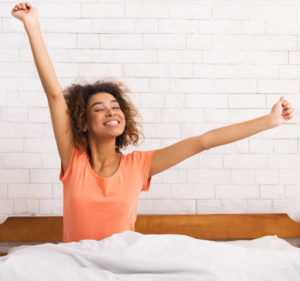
(134,256)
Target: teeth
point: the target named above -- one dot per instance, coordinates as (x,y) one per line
(111,123)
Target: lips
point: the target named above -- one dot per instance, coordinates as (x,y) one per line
(112,125)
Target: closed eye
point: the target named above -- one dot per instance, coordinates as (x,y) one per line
(103,109)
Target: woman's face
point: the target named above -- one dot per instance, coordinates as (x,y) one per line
(101,108)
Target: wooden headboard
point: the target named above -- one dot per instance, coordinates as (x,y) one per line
(202,226)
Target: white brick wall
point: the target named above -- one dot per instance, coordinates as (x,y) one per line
(192,66)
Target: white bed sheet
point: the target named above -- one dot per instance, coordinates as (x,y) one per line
(134,256)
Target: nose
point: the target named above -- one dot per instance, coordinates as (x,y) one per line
(109,112)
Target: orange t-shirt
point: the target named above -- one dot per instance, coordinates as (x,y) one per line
(95,207)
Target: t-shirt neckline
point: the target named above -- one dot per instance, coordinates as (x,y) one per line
(102,178)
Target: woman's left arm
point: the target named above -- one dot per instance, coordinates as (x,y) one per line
(169,156)
(282,111)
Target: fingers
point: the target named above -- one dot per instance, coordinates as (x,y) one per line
(19,6)
(288,110)
(22,6)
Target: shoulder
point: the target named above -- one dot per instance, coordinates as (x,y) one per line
(140,155)
(80,151)
(79,154)
(77,161)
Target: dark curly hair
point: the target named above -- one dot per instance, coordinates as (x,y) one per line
(77,97)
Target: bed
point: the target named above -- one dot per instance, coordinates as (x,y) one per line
(162,247)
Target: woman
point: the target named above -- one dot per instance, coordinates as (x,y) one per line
(101,185)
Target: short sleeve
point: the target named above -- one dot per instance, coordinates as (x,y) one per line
(147,161)
(64,176)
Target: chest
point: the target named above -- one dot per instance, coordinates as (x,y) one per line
(107,172)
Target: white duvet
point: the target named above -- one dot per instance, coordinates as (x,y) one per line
(134,256)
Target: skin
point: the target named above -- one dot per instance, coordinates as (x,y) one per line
(102,139)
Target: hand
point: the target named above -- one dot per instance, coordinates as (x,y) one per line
(25,12)
(281,112)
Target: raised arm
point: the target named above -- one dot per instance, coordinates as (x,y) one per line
(58,107)
(169,156)
(281,112)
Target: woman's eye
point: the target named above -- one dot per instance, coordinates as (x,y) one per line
(102,109)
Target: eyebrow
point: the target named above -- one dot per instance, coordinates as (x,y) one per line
(100,102)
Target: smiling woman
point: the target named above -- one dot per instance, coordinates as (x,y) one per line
(100,183)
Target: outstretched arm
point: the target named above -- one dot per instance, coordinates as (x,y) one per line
(171,155)
(281,112)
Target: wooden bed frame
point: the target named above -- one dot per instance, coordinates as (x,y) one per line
(42,229)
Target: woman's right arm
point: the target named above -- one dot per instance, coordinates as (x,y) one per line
(58,107)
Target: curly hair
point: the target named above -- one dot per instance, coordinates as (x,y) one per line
(77,97)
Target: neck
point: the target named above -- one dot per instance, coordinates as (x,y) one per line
(103,154)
